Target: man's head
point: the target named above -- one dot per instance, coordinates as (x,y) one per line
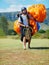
(24,10)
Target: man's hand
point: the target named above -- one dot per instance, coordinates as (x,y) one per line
(27,26)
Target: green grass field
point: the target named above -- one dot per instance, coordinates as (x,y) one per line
(12,52)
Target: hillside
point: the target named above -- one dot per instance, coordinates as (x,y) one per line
(47,18)
(11,16)
(44,26)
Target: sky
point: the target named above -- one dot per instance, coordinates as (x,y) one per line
(16,5)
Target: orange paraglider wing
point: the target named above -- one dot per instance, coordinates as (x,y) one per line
(38,11)
(34,26)
(16,27)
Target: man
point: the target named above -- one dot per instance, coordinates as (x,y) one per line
(24,23)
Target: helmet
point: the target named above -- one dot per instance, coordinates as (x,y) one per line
(23,8)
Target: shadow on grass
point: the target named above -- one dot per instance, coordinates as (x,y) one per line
(39,47)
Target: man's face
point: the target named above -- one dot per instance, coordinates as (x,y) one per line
(24,11)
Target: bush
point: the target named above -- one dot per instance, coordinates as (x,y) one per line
(42,31)
(37,35)
(4,24)
(47,33)
(11,32)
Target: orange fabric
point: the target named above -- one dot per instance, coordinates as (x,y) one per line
(38,11)
(34,26)
(16,27)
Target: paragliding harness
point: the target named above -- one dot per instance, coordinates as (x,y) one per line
(25,31)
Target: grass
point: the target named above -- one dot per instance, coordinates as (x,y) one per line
(12,53)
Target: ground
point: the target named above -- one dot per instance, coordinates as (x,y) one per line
(12,52)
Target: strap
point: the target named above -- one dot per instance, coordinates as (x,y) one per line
(28,19)
(21,19)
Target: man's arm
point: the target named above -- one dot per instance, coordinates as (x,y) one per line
(21,24)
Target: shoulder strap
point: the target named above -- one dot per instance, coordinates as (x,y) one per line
(21,19)
(28,16)
(28,19)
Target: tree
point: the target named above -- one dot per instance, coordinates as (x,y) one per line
(4,25)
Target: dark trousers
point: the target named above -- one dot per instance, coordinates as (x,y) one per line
(22,33)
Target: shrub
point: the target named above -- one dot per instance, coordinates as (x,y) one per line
(11,32)
(42,31)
